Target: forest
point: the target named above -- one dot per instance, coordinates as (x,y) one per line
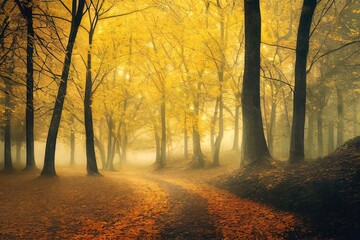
(191,119)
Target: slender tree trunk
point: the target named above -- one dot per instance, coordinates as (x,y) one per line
(302,49)
(236,127)
(111,157)
(310,135)
(331,138)
(221,68)
(320,133)
(8,166)
(285,145)
(30,157)
(49,161)
(217,146)
(212,128)
(254,148)
(158,148)
(91,165)
(101,148)
(272,120)
(163,132)
(288,126)
(124,146)
(27,12)
(72,148)
(198,156)
(109,142)
(340,112)
(265,118)
(18,152)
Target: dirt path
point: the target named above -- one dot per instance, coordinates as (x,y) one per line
(188,216)
(130,207)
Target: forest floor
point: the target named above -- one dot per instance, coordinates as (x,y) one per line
(318,199)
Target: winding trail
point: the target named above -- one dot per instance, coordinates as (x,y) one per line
(127,206)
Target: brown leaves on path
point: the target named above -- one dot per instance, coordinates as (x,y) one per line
(79,207)
(237,218)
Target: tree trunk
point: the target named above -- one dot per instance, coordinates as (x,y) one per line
(212,128)
(285,147)
(288,126)
(340,112)
(198,156)
(217,146)
(109,142)
(163,132)
(124,146)
(272,127)
(49,161)
(302,49)
(110,162)
(310,135)
(331,145)
(236,127)
(101,148)
(158,148)
(18,152)
(30,158)
(27,12)
(320,133)
(72,148)
(254,148)
(8,166)
(91,165)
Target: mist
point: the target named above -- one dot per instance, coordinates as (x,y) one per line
(179,119)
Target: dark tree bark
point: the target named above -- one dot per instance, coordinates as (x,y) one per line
(235,146)
(310,135)
(49,162)
(8,165)
(254,148)
(340,112)
(26,9)
(302,49)
(109,143)
(91,165)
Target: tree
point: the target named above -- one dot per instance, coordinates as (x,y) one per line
(302,49)
(26,9)
(254,148)
(49,161)
(8,165)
